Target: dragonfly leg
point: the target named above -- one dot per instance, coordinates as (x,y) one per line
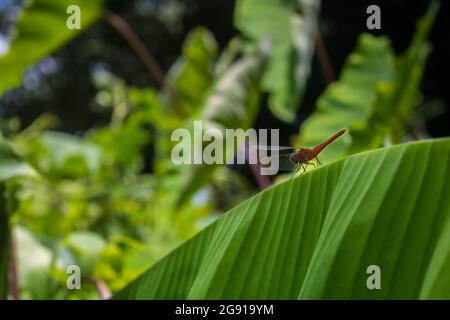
(303,167)
(294,172)
(311,163)
(318,161)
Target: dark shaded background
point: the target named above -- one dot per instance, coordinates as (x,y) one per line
(69,91)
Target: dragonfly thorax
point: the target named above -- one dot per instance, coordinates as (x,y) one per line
(301,156)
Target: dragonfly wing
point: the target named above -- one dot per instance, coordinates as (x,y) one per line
(284,162)
(274,149)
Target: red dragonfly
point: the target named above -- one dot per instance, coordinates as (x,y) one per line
(294,159)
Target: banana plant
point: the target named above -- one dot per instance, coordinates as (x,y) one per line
(321,235)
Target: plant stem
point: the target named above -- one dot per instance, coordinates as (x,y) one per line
(324,59)
(263,181)
(13,282)
(147,58)
(4,240)
(120,25)
(102,289)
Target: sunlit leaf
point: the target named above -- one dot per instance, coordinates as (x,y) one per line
(41,29)
(60,154)
(11,165)
(192,74)
(87,247)
(291,37)
(314,236)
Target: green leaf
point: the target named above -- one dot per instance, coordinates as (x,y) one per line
(87,247)
(42,29)
(374,96)
(190,79)
(4,244)
(64,155)
(124,143)
(192,74)
(350,98)
(234,100)
(291,36)
(11,165)
(313,237)
(392,111)
(35,262)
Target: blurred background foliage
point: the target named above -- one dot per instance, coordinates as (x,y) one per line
(88,114)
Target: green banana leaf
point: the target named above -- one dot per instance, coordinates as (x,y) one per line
(189,80)
(350,98)
(392,111)
(317,235)
(41,29)
(374,96)
(291,38)
(192,74)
